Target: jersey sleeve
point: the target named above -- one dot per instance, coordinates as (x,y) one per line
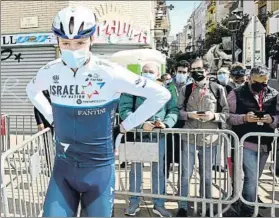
(34,92)
(156,96)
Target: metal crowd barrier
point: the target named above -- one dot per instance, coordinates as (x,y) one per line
(25,174)
(5,132)
(146,154)
(22,127)
(270,189)
(15,129)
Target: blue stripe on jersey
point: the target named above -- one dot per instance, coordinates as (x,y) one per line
(75,142)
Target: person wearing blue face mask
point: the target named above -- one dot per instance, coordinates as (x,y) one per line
(165,118)
(150,71)
(182,76)
(223,78)
(84,92)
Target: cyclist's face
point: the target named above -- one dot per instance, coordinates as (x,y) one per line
(74,44)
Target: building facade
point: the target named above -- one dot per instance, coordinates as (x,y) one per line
(28,43)
(199,16)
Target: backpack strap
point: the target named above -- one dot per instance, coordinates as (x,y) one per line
(215,89)
(188,92)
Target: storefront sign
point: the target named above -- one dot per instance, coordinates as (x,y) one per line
(28,39)
(107,32)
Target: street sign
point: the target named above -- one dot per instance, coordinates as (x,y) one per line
(254,43)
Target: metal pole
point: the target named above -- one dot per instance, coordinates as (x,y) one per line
(253,42)
(233,47)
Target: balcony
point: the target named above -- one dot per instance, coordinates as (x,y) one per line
(162,20)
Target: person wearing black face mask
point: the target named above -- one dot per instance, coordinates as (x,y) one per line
(254,107)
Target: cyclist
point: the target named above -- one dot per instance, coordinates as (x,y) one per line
(84,91)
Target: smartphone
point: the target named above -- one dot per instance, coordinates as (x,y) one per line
(260,114)
(201,112)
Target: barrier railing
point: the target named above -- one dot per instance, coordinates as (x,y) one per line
(253,162)
(25,172)
(5,132)
(22,127)
(147,153)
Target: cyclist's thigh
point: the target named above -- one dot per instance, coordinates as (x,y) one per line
(98,202)
(61,199)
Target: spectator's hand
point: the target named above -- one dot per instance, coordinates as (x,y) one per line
(251,118)
(207,116)
(148,126)
(193,115)
(159,124)
(41,127)
(266,119)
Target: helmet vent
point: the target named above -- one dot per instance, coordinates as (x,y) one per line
(62,28)
(71,25)
(81,27)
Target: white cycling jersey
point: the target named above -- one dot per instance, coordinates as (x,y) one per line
(84,103)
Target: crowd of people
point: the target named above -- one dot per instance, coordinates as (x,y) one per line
(234,100)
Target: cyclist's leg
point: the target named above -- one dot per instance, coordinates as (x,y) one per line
(98,202)
(61,199)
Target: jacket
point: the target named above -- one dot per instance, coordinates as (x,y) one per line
(168,114)
(206,103)
(246,102)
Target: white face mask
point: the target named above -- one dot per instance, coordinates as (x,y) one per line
(75,59)
(180,78)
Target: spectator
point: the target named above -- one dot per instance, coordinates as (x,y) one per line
(200,108)
(169,84)
(182,76)
(253,108)
(165,118)
(238,75)
(223,78)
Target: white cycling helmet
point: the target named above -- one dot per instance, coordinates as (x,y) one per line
(81,20)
